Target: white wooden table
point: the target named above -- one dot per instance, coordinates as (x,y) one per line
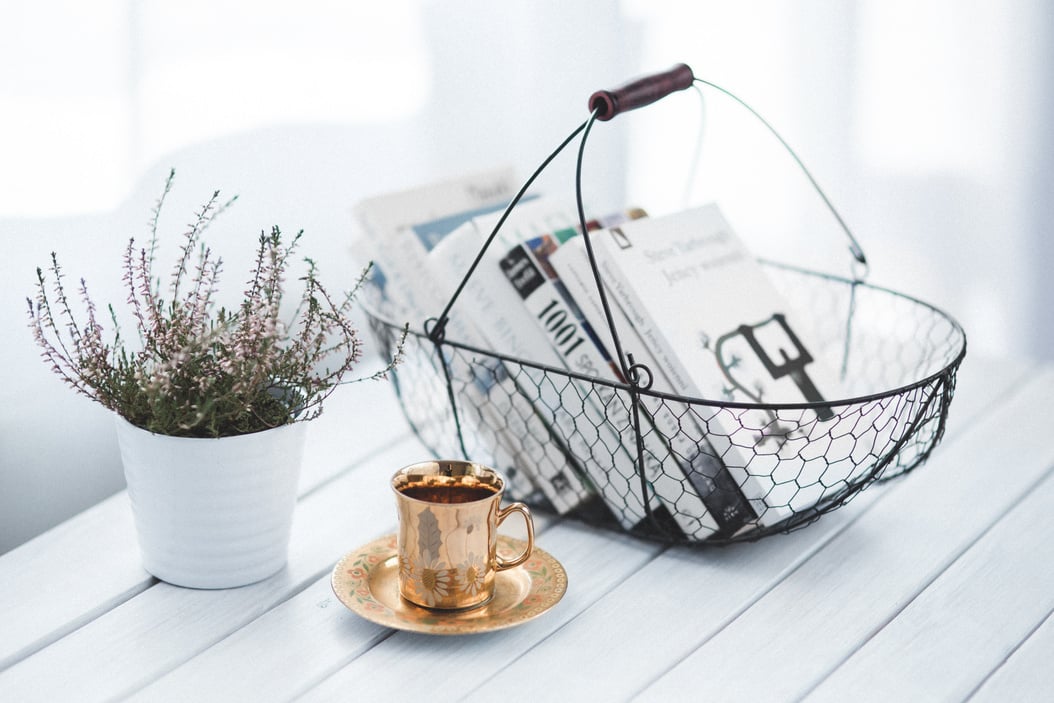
(937,586)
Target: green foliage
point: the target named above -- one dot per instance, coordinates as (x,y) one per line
(198,370)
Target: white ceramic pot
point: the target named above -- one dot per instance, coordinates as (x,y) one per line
(212,513)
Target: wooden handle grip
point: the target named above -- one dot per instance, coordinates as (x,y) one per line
(640,92)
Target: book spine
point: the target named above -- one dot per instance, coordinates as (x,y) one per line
(526,447)
(530,439)
(591,415)
(704,499)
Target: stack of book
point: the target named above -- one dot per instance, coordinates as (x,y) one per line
(689,304)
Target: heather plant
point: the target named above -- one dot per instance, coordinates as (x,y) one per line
(196,369)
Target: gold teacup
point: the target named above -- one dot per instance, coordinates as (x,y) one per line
(449,513)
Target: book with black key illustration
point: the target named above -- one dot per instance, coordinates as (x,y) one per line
(720,331)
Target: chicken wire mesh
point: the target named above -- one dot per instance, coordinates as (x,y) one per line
(691,470)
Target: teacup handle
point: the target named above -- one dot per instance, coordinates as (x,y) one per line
(522,510)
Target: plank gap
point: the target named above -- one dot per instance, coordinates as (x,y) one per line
(356,462)
(1008,657)
(894,614)
(661,550)
(961,429)
(286,596)
(370,644)
(73,625)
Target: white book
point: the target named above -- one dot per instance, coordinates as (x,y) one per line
(664,463)
(487,297)
(501,321)
(702,491)
(721,332)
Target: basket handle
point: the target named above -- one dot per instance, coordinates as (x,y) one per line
(645,91)
(605,105)
(640,92)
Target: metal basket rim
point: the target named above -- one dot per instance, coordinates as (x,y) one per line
(946,370)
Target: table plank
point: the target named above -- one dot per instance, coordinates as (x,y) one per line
(36,605)
(1027,674)
(984,382)
(164,626)
(99,545)
(835,601)
(276,656)
(411,666)
(963,626)
(678,578)
(357,422)
(318,636)
(663,611)
(243,630)
(695,593)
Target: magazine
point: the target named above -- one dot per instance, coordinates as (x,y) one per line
(399,229)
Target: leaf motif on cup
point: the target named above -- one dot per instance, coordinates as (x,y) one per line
(471,520)
(429,537)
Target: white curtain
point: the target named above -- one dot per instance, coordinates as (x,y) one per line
(926,120)
(927,123)
(94,93)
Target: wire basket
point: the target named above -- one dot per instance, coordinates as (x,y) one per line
(898,359)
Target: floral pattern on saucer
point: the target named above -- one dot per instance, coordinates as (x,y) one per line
(367,582)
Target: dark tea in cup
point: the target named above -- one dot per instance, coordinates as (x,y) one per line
(447,493)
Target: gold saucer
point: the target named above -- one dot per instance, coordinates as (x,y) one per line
(367,581)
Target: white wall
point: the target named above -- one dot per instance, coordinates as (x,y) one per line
(925,121)
(287,108)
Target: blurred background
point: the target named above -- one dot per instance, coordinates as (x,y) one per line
(926,122)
